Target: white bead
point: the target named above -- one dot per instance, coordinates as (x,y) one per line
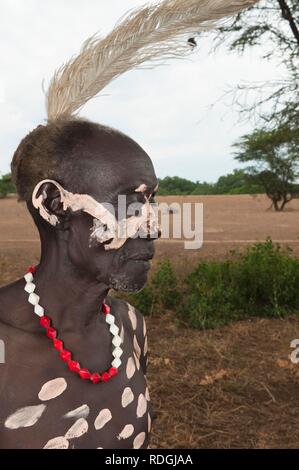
(117,352)
(116,362)
(39,310)
(114,329)
(33,299)
(116,341)
(110,319)
(28,277)
(30,287)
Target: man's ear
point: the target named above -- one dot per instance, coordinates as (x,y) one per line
(47,199)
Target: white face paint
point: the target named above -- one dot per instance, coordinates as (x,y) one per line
(52,389)
(106,227)
(25,417)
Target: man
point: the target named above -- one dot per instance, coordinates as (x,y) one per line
(75,366)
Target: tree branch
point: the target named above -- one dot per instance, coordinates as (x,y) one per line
(287,15)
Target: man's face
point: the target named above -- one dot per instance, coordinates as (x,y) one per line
(123,170)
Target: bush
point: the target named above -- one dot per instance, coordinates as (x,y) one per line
(160,294)
(6,186)
(262,282)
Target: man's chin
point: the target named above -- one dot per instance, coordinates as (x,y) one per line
(133,281)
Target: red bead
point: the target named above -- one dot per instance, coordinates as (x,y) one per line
(65,355)
(95,378)
(74,366)
(84,374)
(113,371)
(105,377)
(106,309)
(45,322)
(58,344)
(32,270)
(51,333)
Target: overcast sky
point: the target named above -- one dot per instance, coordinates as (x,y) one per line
(167,110)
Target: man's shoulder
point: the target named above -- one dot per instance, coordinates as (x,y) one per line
(129,315)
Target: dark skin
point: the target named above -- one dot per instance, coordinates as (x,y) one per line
(72,280)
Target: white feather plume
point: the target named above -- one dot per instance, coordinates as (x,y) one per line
(150,33)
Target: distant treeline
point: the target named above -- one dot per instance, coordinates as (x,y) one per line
(233,183)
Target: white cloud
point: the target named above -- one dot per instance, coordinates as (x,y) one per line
(166,110)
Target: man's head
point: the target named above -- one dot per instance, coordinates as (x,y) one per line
(87,159)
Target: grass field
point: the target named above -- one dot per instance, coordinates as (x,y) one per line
(230,387)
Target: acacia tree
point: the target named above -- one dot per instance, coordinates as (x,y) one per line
(274,25)
(275,160)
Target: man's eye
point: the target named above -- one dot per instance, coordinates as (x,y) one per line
(152,199)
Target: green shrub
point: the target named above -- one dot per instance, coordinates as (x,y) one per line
(262,282)
(160,294)
(6,186)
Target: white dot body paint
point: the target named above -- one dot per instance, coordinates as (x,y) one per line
(149,422)
(142,406)
(102,419)
(130,370)
(139,440)
(25,417)
(127,397)
(79,428)
(52,389)
(126,432)
(136,347)
(57,443)
(132,316)
(81,412)
(145,347)
(122,333)
(137,362)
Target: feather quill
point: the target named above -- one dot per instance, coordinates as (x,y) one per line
(152,33)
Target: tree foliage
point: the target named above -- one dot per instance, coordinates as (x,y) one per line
(272,28)
(275,158)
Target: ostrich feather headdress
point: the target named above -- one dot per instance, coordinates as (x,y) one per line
(151,33)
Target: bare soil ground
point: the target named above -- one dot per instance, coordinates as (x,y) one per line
(232,387)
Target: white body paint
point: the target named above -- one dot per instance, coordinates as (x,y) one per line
(102,419)
(130,370)
(127,397)
(81,412)
(132,316)
(57,443)
(126,432)
(52,389)
(139,440)
(79,428)
(25,417)
(142,406)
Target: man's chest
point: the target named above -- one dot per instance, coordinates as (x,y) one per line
(45,405)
